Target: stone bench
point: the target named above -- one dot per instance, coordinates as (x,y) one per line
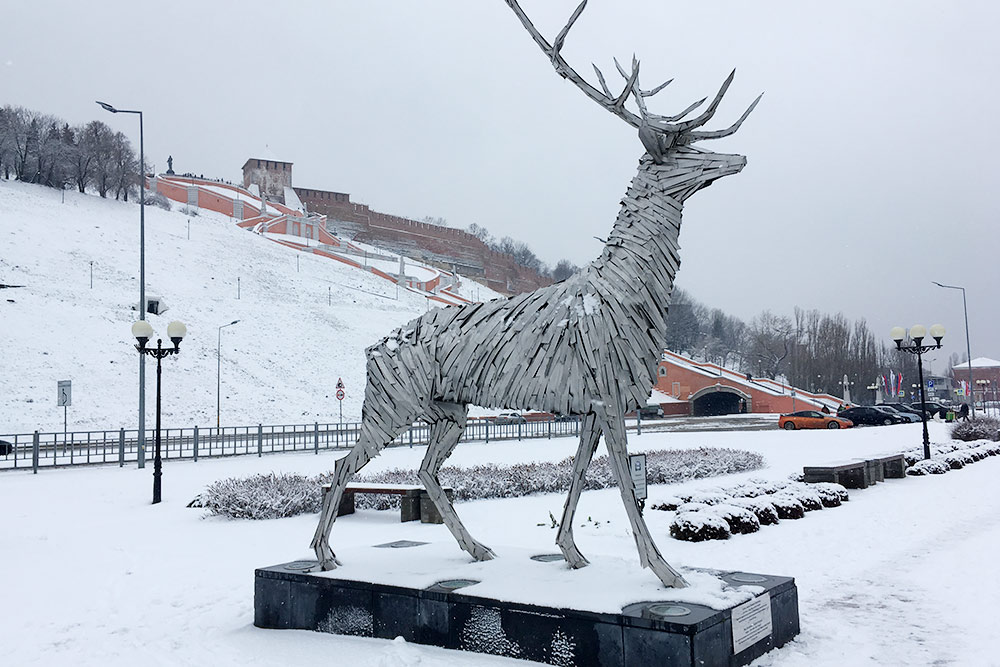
(851,475)
(414,503)
(859,473)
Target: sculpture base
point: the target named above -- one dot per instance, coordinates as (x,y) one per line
(645,633)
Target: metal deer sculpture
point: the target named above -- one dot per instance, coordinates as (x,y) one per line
(587,346)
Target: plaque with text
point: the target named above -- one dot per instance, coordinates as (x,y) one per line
(751,622)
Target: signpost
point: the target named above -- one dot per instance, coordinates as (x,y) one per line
(340,398)
(637,470)
(64,398)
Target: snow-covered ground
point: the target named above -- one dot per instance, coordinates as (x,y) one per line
(299,330)
(900,575)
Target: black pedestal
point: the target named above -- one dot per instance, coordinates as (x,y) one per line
(646,633)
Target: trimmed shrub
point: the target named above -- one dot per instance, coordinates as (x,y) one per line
(747,491)
(787,506)
(262,496)
(768,486)
(831,493)
(762,508)
(980,428)
(954,461)
(699,526)
(692,507)
(669,504)
(741,520)
(928,467)
(708,497)
(810,498)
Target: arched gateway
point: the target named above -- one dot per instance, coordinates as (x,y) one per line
(720,399)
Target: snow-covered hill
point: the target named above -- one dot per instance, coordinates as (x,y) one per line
(299,330)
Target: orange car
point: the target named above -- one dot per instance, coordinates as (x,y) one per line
(812,419)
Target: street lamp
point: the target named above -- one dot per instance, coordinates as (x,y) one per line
(218,375)
(142,280)
(968,347)
(917,334)
(143,332)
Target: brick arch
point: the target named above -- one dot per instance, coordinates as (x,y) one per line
(705,401)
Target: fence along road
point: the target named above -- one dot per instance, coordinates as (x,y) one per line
(51,450)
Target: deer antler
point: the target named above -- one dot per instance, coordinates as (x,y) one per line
(657,133)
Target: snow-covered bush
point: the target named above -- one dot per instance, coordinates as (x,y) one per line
(762,508)
(955,461)
(787,506)
(692,507)
(807,496)
(262,496)
(708,497)
(832,494)
(928,467)
(767,486)
(749,490)
(980,428)
(669,504)
(741,520)
(699,526)
(156,199)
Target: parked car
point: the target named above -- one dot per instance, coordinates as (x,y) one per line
(650,412)
(902,408)
(869,416)
(908,416)
(812,419)
(933,408)
(510,418)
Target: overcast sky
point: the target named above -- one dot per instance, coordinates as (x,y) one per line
(872,158)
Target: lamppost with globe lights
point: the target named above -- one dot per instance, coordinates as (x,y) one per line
(917,334)
(143,332)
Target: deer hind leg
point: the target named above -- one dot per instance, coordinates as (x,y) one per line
(613,425)
(447,423)
(590,435)
(376,433)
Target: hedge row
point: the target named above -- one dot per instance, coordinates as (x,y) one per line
(274,496)
(718,514)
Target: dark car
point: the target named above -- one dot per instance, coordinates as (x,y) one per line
(900,407)
(908,416)
(869,416)
(650,412)
(933,408)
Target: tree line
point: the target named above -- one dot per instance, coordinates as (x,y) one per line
(809,349)
(523,254)
(41,148)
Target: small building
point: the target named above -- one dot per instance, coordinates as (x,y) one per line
(985,378)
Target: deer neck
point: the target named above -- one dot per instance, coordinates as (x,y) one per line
(641,256)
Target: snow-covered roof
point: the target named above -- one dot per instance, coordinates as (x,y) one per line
(981,362)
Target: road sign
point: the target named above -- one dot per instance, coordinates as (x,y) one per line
(930,384)
(64,393)
(340,383)
(340,394)
(901,394)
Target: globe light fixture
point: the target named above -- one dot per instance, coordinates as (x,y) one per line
(917,334)
(143,332)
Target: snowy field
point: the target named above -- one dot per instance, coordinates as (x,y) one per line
(94,575)
(304,320)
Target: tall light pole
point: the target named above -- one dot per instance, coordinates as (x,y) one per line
(141,454)
(917,334)
(218,376)
(968,347)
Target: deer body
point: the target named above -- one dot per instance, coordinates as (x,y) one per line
(587,346)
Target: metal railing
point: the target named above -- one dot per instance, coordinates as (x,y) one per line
(51,450)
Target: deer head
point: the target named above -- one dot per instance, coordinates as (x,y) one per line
(663,137)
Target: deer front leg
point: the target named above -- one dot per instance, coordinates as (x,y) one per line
(612,423)
(445,431)
(590,435)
